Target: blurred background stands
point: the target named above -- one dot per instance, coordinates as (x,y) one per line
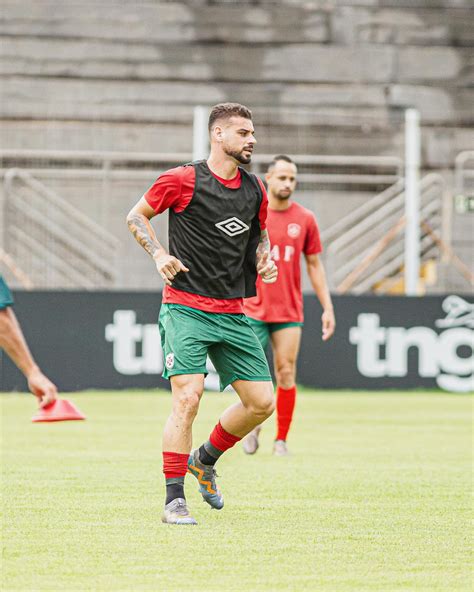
(97,99)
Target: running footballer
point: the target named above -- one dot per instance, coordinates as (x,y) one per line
(218,244)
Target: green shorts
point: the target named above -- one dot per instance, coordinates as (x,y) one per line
(263,330)
(189,335)
(6,299)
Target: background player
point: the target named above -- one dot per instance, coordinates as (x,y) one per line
(276,313)
(13,342)
(217,242)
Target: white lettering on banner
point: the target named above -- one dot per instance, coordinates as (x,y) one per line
(126,334)
(368,336)
(458,313)
(437,353)
(399,340)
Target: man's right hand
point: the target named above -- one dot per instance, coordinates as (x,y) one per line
(168,267)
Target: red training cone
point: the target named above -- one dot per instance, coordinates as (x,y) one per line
(59,410)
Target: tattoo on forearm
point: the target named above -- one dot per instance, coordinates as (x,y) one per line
(264,244)
(144,234)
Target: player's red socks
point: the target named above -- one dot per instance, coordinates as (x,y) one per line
(175,467)
(222,440)
(175,464)
(285,405)
(219,441)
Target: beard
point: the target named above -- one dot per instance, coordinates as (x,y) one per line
(283,196)
(239,156)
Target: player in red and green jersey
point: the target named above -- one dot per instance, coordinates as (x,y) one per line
(218,244)
(276,313)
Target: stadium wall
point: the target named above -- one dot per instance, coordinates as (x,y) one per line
(119,75)
(87,340)
(328,77)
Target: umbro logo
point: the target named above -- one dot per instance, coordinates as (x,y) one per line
(232,226)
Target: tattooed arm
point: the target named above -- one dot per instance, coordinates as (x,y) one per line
(265,266)
(139,224)
(263,245)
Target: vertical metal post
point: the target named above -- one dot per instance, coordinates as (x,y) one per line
(200,133)
(105,198)
(446,220)
(412,201)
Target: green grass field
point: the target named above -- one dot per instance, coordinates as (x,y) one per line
(376,496)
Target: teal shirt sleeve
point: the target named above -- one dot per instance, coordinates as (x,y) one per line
(6,298)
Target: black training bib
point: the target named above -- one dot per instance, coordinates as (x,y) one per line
(216,236)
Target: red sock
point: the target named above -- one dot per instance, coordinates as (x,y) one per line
(222,440)
(285,406)
(175,464)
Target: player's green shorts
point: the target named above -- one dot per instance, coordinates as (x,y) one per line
(263,330)
(189,335)
(6,299)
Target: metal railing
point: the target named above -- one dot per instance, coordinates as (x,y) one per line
(55,243)
(112,173)
(352,239)
(315,169)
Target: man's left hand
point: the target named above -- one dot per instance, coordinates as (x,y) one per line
(267,269)
(329,323)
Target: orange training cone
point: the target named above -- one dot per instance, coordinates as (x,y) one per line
(59,410)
